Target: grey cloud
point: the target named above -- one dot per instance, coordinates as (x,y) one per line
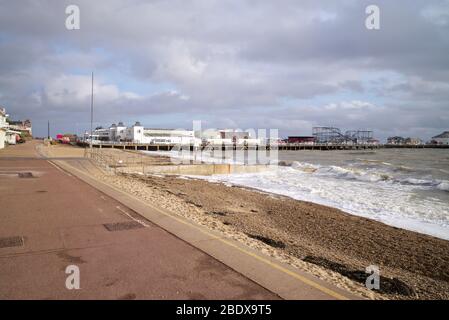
(239,62)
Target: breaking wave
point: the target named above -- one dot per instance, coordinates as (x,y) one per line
(389,174)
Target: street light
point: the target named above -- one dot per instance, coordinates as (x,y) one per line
(92,110)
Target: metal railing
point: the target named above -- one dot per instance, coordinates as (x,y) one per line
(119,162)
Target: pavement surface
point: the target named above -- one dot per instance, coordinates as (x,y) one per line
(54,215)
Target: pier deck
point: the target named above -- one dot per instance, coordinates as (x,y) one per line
(280,147)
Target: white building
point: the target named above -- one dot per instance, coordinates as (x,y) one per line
(21,126)
(12,136)
(170,136)
(135,133)
(117,132)
(442,138)
(3,127)
(101,134)
(228,137)
(11,131)
(139,134)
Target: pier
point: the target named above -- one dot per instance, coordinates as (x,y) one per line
(280,147)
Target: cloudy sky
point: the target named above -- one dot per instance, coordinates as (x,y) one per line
(288,65)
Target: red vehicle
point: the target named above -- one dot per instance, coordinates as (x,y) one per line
(62,138)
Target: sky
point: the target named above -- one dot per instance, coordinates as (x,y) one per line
(287,65)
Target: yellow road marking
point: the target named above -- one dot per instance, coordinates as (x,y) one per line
(307,281)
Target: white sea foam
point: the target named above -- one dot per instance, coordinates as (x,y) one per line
(391,203)
(443,186)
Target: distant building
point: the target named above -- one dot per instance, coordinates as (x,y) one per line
(413,141)
(228,137)
(102,134)
(3,127)
(396,140)
(117,132)
(11,131)
(442,138)
(169,136)
(13,137)
(21,126)
(275,141)
(139,134)
(301,139)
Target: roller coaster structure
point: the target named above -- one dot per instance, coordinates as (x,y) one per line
(335,136)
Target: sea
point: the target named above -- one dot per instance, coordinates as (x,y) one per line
(405,188)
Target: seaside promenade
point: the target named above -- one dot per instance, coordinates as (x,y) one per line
(54,214)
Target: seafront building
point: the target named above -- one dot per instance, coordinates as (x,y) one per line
(21,126)
(397,140)
(413,141)
(3,129)
(309,140)
(11,131)
(139,134)
(216,137)
(120,133)
(442,138)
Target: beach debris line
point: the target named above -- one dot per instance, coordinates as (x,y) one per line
(218,213)
(269,241)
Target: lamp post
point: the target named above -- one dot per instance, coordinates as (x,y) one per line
(92,110)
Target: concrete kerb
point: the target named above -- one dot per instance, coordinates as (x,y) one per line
(277,277)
